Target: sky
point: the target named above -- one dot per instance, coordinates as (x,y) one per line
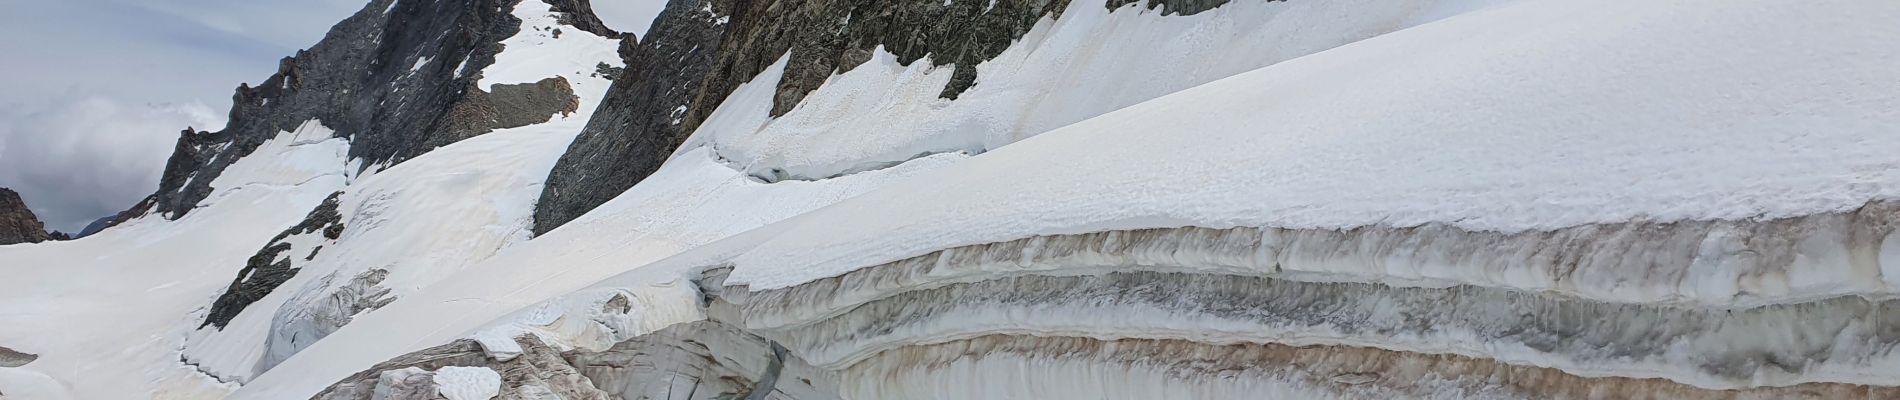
(93,93)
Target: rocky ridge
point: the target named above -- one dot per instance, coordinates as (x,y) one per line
(17,222)
(698,52)
(398,78)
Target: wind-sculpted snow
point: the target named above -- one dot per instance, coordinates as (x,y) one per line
(1090,61)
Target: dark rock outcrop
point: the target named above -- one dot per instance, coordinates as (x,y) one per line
(270,267)
(639,122)
(580,15)
(17,223)
(13,358)
(674,83)
(1176,7)
(510,105)
(539,372)
(702,360)
(398,78)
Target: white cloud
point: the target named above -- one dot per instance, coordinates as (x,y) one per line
(97,90)
(78,159)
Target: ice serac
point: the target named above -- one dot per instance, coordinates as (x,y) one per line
(1522,200)
(17,222)
(400,77)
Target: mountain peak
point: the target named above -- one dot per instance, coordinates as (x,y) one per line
(398,78)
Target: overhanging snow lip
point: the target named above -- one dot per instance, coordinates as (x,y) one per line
(1727,349)
(1691,251)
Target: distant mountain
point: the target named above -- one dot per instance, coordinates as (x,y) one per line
(95,226)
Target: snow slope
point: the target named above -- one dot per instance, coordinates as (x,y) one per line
(1090,61)
(145,286)
(691,201)
(1331,201)
(699,197)
(537,52)
(1456,159)
(1671,190)
(1532,116)
(416,223)
(424,220)
(116,306)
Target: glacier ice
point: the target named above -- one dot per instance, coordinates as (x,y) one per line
(1355,199)
(1306,246)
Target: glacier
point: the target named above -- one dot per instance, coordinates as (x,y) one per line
(1429,199)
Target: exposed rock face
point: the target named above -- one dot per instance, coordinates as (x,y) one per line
(398,78)
(538,373)
(642,118)
(17,223)
(580,14)
(672,85)
(13,358)
(510,105)
(272,265)
(694,361)
(1181,7)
